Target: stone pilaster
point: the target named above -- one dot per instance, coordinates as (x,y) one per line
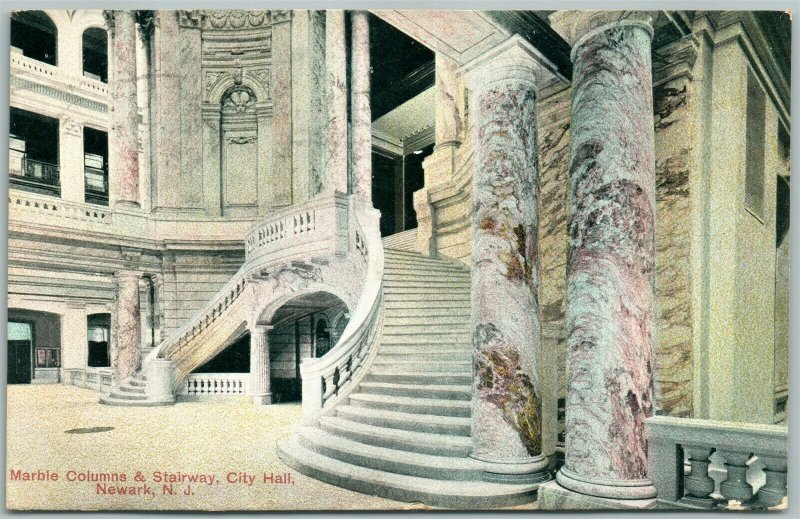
(336,86)
(281,176)
(128,331)
(124,160)
(610,270)
(259,365)
(361,117)
(507,400)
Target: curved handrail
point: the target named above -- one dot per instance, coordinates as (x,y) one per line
(324,377)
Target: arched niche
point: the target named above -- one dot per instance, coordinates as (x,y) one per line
(236,148)
(94,45)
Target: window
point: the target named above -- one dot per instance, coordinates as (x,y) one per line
(33,34)
(33,152)
(754,172)
(95,166)
(98,331)
(95,54)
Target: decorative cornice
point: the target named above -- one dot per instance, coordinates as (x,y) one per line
(17,82)
(236,19)
(281,16)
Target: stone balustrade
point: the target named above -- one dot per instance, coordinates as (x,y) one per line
(30,206)
(98,379)
(70,82)
(303,228)
(215,385)
(742,449)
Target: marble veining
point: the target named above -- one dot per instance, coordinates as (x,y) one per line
(505,280)
(610,276)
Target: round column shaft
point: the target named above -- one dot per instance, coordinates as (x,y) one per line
(361,117)
(125,358)
(611,267)
(507,400)
(336,68)
(259,365)
(124,112)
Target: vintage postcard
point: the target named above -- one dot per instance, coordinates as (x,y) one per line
(398,260)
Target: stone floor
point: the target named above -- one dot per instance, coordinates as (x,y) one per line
(193,438)
(216,438)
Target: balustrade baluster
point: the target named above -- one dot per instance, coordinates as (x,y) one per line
(698,484)
(774,490)
(329,385)
(736,486)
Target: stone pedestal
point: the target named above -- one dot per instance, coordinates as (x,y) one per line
(361,138)
(125,355)
(506,406)
(74,336)
(259,365)
(336,86)
(124,172)
(160,375)
(610,271)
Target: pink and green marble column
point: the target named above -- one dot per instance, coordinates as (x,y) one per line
(507,400)
(611,267)
(361,112)
(124,174)
(128,327)
(336,93)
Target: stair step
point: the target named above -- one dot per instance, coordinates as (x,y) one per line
(424,443)
(388,356)
(401,310)
(425,291)
(434,406)
(436,334)
(422,272)
(415,377)
(436,391)
(416,349)
(111,400)
(455,425)
(132,389)
(422,366)
(427,299)
(390,460)
(422,340)
(420,321)
(450,494)
(430,283)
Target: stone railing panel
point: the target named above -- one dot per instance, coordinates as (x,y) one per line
(737,450)
(215,384)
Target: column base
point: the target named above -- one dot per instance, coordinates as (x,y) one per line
(128,204)
(611,489)
(553,496)
(263,399)
(526,471)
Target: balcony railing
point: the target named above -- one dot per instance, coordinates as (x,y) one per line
(727,462)
(96,185)
(33,174)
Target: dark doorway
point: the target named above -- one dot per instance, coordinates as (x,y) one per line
(95,54)
(322,338)
(20,346)
(98,332)
(386,171)
(413,180)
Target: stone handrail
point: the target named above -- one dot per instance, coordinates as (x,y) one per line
(278,239)
(738,445)
(215,384)
(329,377)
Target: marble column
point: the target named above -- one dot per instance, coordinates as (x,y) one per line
(124,173)
(259,365)
(336,85)
(507,400)
(361,116)
(610,270)
(125,357)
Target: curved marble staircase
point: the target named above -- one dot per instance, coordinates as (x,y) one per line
(403,432)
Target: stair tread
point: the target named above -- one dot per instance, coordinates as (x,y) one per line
(421,387)
(409,417)
(408,400)
(418,438)
(397,486)
(448,463)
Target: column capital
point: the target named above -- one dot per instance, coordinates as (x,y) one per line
(516,59)
(261,329)
(578,27)
(191,18)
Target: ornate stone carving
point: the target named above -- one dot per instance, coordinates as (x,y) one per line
(190,18)
(147,23)
(238,98)
(242,139)
(72,127)
(280,16)
(262,76)
(236,19)
(212,77)
(108,15)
